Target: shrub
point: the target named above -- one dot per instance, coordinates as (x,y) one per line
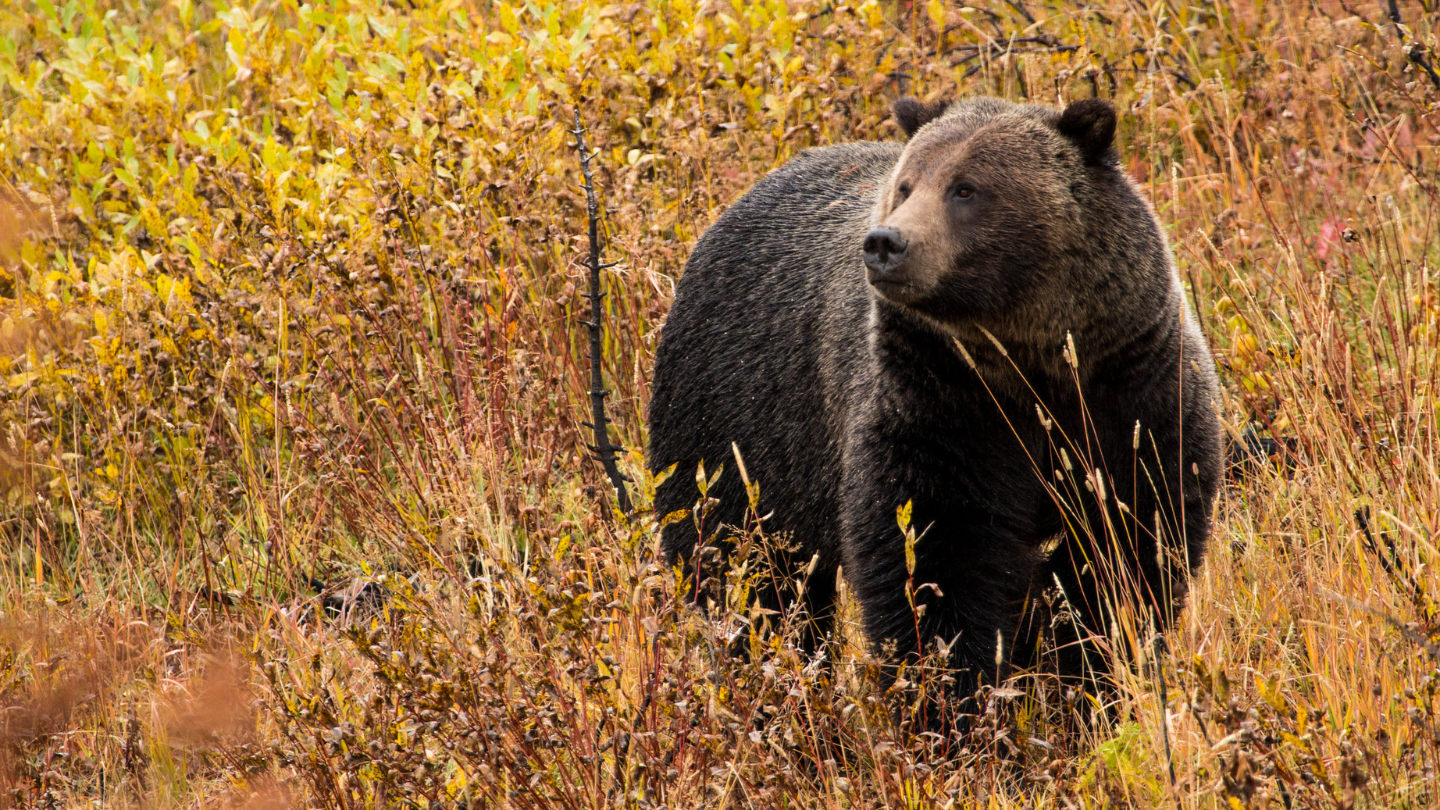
(291,389)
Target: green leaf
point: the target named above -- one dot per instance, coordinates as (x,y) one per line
(577,39)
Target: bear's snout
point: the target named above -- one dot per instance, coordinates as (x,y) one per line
(885,251)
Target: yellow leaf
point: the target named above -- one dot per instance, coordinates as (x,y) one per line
(457,782)
(23,379)
(936,9)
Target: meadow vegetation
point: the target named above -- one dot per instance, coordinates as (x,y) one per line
(296,507)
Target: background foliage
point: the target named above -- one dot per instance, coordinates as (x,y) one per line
(296,506)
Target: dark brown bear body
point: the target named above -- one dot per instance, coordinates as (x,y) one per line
(984,322)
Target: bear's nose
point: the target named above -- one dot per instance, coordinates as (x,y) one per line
(884,250)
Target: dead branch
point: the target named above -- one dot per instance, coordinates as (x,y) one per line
(1414,50)
(603,450)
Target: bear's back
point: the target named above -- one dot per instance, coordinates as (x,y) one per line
(769,320)
(809,211)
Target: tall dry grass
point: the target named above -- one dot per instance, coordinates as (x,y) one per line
(296,503)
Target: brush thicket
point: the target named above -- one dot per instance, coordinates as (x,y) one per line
(297,508)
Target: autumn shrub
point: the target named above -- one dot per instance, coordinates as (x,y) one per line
(297,502)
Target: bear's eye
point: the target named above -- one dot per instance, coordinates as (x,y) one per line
(963,192)
(903,192)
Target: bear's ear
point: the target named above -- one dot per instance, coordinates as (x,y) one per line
(1090,123)
(911,113)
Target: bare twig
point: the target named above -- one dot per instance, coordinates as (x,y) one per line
(1024,12)
(1416,53)
(1161,651)
(1414,50)
(1391,562)
(604,451)
(1395,19)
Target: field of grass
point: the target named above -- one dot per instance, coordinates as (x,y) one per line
(295,502)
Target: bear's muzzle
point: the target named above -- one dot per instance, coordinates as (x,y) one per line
(885,252)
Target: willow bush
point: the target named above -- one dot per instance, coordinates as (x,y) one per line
(297,503)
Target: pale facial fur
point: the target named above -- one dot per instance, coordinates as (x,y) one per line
(1005,230)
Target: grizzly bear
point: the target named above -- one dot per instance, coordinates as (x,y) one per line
(984,323)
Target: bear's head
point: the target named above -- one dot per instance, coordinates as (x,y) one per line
(991,212)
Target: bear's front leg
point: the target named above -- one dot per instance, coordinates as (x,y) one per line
(973,564)
(1146,515)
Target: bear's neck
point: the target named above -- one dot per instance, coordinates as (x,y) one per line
(1008,369)
(993,349)
(1027,354)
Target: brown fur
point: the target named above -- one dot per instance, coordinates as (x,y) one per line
(816,326)
(1030,168)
